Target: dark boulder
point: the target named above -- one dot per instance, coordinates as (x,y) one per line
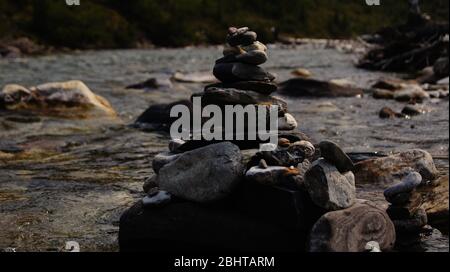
(157,117)
(304,87)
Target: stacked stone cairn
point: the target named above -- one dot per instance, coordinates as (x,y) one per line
(224,195)
(405,208)
(242,80)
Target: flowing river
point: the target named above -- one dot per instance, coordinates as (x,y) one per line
(78,176)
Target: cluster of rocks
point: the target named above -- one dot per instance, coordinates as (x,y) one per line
(71,99)
(409,91)
(290,196)
(350,224)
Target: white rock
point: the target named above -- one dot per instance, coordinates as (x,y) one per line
(287,122)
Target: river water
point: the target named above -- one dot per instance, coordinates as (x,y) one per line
(70,180)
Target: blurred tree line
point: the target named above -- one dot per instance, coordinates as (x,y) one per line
(123,23)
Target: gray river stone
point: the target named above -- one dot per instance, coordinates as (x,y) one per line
(408,184)
(203,175)
(328,188)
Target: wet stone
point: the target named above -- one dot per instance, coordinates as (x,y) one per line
(336,156)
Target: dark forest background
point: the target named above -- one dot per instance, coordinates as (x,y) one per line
(126,23)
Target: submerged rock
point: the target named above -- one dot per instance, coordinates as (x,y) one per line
(205,174)
(71,99)
(157,117)
(388,113)
(329,188)
(351,229)
(315,88)
(392,169)
(152,83)
(194,78)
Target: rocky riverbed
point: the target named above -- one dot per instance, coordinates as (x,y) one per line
(70,179)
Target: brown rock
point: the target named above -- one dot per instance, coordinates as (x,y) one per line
(435,201)
(391,84)
(72,99)
(382,94)
(351,229)
(391,169)
(388,113)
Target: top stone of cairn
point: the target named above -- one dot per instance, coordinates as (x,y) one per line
(242,55)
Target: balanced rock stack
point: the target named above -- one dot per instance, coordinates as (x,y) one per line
(243,81)
(224,195)
(406,205)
